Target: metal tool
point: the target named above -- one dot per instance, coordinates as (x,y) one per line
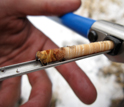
(96,31)
(91,29)
(107,30)
(30,66)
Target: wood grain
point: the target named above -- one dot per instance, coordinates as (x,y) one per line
(69,52)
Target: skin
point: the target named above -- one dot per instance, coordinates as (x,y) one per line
(19,42)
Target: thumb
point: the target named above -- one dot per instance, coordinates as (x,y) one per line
(44,7)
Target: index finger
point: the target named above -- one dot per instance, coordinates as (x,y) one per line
(76,78)
(43,7)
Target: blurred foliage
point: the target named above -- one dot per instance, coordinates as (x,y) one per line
(53,101)
(117,103)
(103,10)
(116,69)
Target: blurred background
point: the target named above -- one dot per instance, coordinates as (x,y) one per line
(107,76)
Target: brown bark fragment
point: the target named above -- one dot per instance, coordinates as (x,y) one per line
(49,56)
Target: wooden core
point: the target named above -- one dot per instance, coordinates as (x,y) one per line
(69,52)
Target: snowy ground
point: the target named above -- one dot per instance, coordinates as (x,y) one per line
(107,88)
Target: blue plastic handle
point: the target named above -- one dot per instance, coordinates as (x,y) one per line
(77,23)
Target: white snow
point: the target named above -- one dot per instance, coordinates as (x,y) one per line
(106,87)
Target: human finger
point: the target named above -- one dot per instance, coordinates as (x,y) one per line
(41,90)
(43,7)
(10,92)
(76,78)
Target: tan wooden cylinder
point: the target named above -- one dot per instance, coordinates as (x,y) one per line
(70,52)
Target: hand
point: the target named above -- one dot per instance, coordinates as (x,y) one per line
(19,42)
